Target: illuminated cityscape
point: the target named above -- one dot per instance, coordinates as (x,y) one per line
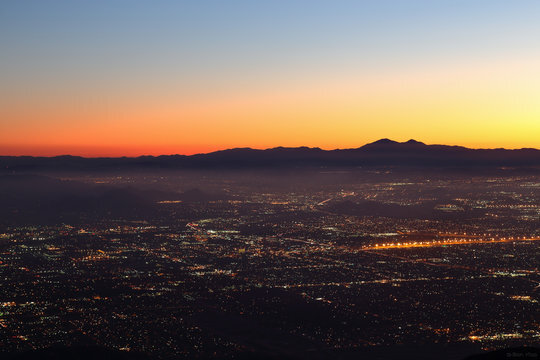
(269,180)
(283,269)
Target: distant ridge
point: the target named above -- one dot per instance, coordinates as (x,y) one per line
(384,152)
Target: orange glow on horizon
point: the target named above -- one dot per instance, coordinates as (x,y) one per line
(475,105)
(136,151)
(102,151)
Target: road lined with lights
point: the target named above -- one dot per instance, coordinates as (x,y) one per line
(435,243)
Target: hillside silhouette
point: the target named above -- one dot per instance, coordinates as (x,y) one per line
(383,152)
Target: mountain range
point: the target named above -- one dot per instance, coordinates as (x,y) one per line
(383,152)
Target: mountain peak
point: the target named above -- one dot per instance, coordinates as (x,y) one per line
(414,142)
(384,141)
(391,143)
(383,152)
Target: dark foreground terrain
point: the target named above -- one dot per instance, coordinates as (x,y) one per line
(398,353)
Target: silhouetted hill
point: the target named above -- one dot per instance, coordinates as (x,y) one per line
(383,152)
(35,198)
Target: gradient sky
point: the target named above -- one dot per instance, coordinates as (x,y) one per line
(132,77)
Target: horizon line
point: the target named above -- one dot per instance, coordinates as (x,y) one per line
(413,141)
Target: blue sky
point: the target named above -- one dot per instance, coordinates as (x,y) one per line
(99,54)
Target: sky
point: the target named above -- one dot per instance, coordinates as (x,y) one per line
(134,77)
